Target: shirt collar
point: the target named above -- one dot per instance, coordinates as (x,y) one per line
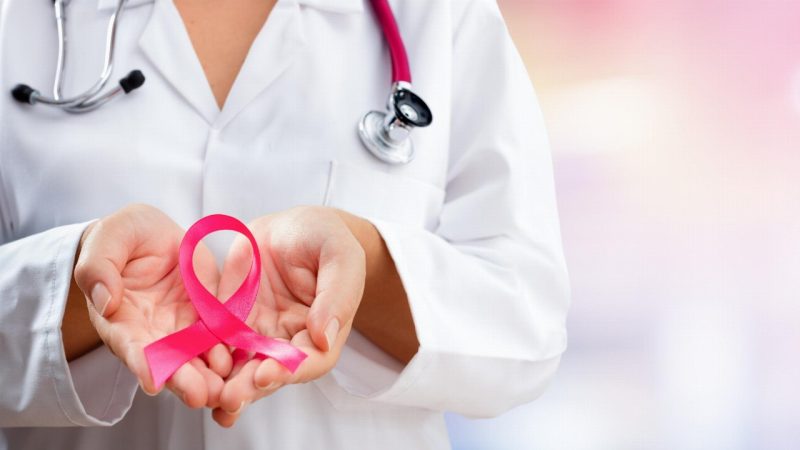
(338,6)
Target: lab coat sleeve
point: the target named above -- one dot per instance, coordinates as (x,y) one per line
(39,387)
(488,287)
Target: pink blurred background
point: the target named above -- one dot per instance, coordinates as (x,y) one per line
(674,128)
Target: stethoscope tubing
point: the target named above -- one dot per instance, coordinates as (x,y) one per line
(87,100)
(401,72)
(384,134)
(58,6)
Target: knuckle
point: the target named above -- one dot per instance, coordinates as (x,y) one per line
(318,314)
(348,311)
(136,208)
(82,272)
(100,228)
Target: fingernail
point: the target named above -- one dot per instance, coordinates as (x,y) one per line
(149,394)
(268,387)
(100,297)
(179,393)
(331,331)
(239,409)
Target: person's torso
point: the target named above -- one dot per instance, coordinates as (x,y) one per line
(286,136)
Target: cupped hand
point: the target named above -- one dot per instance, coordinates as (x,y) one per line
(315,268)
(128,270)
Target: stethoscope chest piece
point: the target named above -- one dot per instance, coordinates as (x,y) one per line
(387,134)
(369,129)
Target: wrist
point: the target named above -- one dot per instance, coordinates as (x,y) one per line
(363,230)
(85,235)
(384,315)
(77,332)
(370,240)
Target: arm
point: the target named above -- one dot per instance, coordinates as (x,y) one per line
(384,316)
(39,389)
(77,331)
(487,287)
(132,254)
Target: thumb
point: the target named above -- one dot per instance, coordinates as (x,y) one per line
(102,256)
(340,285)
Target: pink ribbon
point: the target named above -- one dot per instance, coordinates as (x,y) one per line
(218,322)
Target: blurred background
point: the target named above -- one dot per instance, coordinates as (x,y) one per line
(674,129)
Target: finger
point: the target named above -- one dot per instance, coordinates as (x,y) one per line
(189,385)
(239,358)
(214,383)
(224,418)
(103,254)
(127,348)
(111,243)
(314,366)
(300,280)
(239,389)
(220,360)
(131,354)
(235,268)
(270,375)
(317,362)
(340,285)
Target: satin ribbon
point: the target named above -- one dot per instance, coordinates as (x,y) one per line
(218,322)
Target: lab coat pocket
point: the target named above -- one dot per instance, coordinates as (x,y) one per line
(376,194)
(253,185)
(262,185)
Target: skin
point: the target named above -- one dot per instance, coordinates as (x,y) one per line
(221,35)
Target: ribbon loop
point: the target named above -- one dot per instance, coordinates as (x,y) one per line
(218,322)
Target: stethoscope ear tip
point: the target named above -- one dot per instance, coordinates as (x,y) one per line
(23,93)
(134,80)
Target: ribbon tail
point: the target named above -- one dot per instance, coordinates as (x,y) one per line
(169,353)
(283,352)
(291,358)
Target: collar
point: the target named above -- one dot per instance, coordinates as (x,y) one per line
(337,6)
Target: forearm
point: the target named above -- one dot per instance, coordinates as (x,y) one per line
(384,316)
(77,332)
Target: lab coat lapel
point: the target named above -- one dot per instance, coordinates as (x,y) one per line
(166,43)
(272,52)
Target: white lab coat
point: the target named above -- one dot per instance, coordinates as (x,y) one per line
(471,223)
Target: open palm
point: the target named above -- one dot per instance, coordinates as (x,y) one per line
(135,255)
(311,265)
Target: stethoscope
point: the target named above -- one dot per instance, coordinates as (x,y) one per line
(386,134)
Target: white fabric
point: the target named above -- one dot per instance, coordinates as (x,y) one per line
(471,223)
